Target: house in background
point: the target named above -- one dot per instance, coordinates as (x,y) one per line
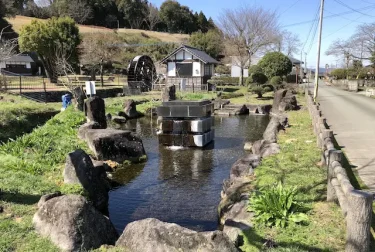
(18,65)
(189,68)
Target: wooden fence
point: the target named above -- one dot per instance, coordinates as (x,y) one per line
(356,205)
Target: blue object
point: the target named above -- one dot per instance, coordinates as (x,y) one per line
(66,100)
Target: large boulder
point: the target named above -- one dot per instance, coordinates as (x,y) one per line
(115,145)
(265,148)
(130,109)
(236,221)
(95,111)
(284,100)
(73,224)
(152,235)
(244,166)
(87,126)
(79,169)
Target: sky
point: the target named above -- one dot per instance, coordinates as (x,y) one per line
(296,11)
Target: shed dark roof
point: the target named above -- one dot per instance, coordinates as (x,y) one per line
(295,61)
(20,58)
(201,55)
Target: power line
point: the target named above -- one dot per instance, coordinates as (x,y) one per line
(311,27)
(347,6)
(352,21)
(330,16)
(346,17)
(290,7)
(313,37)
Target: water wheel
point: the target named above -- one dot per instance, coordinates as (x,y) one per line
(141,73)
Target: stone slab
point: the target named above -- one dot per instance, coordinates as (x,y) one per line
(187,126)
(187,140)
(186,111)
(186,103)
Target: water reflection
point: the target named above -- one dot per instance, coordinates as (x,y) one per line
(181,185)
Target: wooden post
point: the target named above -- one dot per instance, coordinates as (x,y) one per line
(358,221)
(327,135)
(333,155)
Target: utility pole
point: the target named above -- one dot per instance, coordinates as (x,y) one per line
(306,71)
(300,72)
(318,56)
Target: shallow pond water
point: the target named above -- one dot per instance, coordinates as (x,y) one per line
(181,185)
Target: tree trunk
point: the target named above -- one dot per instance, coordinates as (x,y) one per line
(50,70)
(101,74)
(241,77)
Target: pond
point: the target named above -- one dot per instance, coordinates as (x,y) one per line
(181,185)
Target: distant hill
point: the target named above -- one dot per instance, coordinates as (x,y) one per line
(18,21)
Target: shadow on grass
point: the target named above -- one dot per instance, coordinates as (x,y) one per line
(19,198)
(265,98)
(263,244)
(357,184)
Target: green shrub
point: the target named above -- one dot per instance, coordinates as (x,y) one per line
(267,89)
(249,81)
(259,78)
(276,80)
(257,90)
(255,69)
(339,73)
(277,206)
(275,64)
(227,80)
(216,82)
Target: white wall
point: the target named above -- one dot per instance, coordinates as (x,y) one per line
(171,69)
(236,72)
(180,55)
(188,55)
(197,71)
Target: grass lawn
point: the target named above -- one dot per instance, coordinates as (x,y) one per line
(296,165)
(30,167)
(19,115)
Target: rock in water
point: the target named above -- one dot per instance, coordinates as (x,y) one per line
(95,111)
(79,169)
(115,145)
(73,224)
(244,166)
(152,235)
(130,109)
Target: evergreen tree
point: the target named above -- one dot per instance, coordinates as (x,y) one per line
(202,22)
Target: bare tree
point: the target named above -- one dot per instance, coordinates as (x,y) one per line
(99,49)
(153,17)
(80,11)
(288,43)
(66,73)
(7,46)
(249,30)
(342,49)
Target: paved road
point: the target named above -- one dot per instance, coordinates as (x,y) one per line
(352,118)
